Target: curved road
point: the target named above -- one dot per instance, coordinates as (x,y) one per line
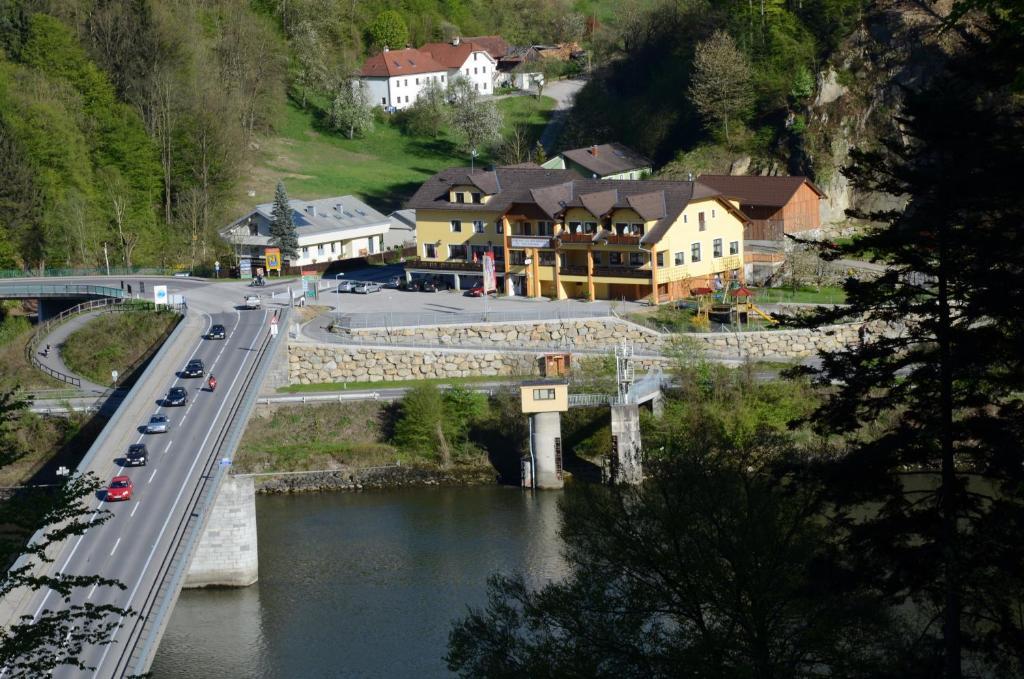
(132,543)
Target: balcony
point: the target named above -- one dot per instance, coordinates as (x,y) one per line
(614,239)
(567,237)
(608,271)
(449,265)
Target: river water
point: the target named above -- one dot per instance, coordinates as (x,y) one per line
(361,584)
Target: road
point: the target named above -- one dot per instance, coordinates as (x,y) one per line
(132,544)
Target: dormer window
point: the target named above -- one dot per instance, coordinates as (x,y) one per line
(460,197)
(478,197)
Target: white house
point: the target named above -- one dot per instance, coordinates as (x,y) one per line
(467,59)
(328,229)
(394,78)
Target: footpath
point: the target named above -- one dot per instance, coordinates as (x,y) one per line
(53,359)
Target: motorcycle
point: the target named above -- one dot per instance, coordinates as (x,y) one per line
(212,383)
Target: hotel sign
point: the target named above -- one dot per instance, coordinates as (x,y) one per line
(518,242)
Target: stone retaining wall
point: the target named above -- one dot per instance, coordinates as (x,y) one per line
(796,343)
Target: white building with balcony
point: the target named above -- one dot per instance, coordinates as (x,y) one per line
(328,229)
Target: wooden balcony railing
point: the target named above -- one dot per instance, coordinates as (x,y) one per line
(610,271)
(567,237)
(448,265)
(614,239)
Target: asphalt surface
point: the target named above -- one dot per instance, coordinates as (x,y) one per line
(130,546)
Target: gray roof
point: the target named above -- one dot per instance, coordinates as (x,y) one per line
(607,159)
(324,215)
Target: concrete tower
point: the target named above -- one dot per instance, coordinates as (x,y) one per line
(544,401)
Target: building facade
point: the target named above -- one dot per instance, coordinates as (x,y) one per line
(467,60)
(556,235)
(395,78)
(328,229)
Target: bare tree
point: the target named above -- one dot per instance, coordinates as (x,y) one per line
(516,147)
(119,212)
(310,73)
(721,89)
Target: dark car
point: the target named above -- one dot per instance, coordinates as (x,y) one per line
(137,455)
(394,282)
(217,332)
(409,286)
(176,397)
(195,368)
(428,286)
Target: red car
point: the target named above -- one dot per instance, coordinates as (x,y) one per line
(120,488)
(478,291)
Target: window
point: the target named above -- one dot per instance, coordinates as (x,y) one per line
(485,86)
(460,197)
(478,226)
(680,258)
(716,247)
(332,248)
(590,227)
(734,247)
(254,229)
(545,228)
(406,85)
(661,259)
(615,258)
(456,252)
(476,86)
(712,213)
(543,394)
(474,69)
(499,226)
(478,197)
(636,259)
(456,226)
(517,257)
(636,229)
(429,251)
(320,250)
(417,81)
(442,78)
(597,258)
(575,227)
(621,227)
(525,229)
(684,219)
(383,101)
(467,71)
(695,252)
(700,220)
(475,55)
(547,258)
(499,253)
(407,99)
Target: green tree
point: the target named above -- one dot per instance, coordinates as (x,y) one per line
(720,89)
(934,387)
(710,569)
(477,122)
(430,113)
(420,426)
(282,227)
(389,30)
(34,526)
(309,73)
(351,111)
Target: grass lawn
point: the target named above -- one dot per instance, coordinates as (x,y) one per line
(324,436)
(384,168)
(15,368)
(806,295)
(397,384)
(115,341)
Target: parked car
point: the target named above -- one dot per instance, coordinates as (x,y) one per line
(253,302)
(428,285)
(409,286)
(137,455)
(346,286)
(478,291)
(157,424)
(120,488)
(195,368)
(366,287)
(176,397)
(217,331)
(394,282)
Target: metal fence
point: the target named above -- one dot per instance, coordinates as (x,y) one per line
(395,319)
(48,290)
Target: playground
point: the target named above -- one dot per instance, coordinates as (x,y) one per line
(731,308)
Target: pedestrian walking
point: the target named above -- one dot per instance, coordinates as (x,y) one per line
(129,288)
(122,285)
(142,287)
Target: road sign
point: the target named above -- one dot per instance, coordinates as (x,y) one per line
(225,462)
(245,267)
(273,259)
(63,471)
(159,294)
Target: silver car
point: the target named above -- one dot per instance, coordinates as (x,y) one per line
(157,424)
(346,286)
(366,288)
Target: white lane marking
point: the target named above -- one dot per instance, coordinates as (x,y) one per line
(168,446)
(152,475)
(115,547)
(170,513)
(134,508)
(46,597)
(91,591)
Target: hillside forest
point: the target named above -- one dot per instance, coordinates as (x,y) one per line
(126,125)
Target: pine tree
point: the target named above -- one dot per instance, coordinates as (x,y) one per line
(931,406)
(282,228)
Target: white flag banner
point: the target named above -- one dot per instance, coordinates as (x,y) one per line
(490,280)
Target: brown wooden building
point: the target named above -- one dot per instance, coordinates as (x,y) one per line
(775,205)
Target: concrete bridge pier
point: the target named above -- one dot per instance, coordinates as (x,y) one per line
(624,463)
(226,555)
(545,462)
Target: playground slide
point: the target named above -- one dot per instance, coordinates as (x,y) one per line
(763,314)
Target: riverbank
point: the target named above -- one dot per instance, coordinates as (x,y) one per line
(377,478)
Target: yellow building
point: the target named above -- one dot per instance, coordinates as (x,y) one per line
(556,235)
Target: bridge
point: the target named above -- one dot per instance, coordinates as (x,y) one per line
(149,542)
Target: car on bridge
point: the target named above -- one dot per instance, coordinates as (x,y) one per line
(177,396)
(120,488)
(157,424)
(195,368)
(217,331)
(137,455)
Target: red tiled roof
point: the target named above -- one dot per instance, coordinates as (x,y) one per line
(757,190)
(495,45)
(406,61)
(451,56)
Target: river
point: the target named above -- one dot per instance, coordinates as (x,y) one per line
(361,584)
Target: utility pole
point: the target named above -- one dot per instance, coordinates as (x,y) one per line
(106,260)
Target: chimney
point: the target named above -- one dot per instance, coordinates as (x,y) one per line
(455,41)
(593,150)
